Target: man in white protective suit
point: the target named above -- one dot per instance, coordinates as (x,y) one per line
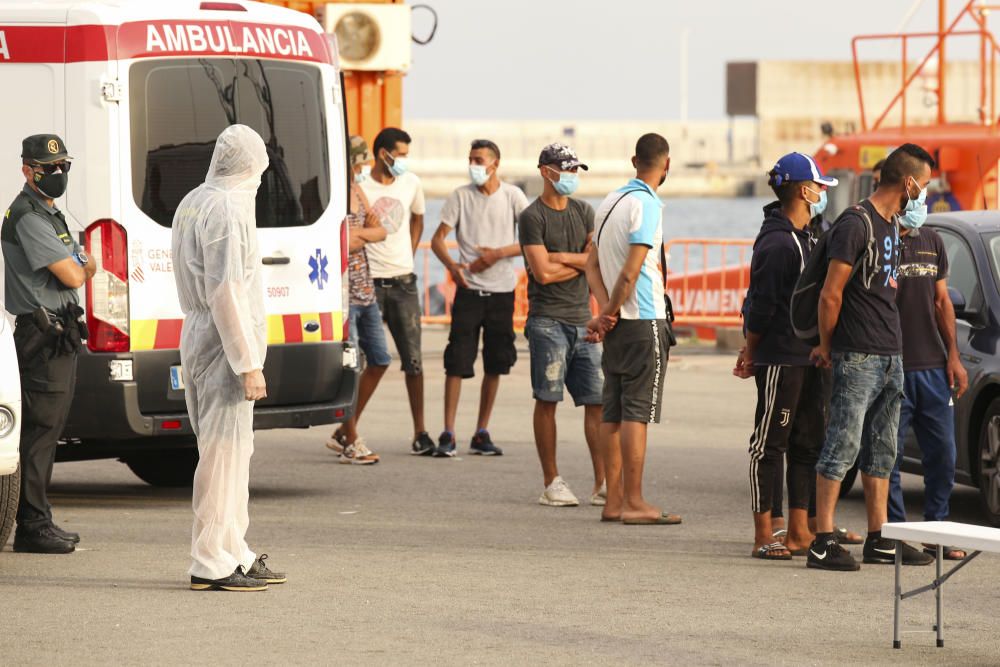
(223,344)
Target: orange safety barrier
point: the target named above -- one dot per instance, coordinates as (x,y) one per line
(712,293)
(707,292)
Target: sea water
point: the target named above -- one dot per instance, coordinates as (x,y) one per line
(714,218)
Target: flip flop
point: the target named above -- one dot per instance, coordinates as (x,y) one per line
(947,551)
(769,552)
(610,520)
(664,519)
(841,534)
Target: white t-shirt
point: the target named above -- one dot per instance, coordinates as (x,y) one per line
(636,220)
(393,203)
(487,221)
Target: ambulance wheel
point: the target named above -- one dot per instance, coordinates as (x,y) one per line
(167,467)
(10,491)
(849,478)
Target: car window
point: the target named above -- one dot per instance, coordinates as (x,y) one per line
(962,274)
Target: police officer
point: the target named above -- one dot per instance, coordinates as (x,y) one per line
(43,268)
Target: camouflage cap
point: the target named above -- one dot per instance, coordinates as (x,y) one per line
(44,148)
(358,150)
(560,155)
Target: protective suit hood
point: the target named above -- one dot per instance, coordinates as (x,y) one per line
(239,160)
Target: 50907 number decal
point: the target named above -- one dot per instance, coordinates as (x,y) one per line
(278,292)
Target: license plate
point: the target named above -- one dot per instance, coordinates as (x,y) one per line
(176,378)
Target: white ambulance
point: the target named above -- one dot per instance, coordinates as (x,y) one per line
(139,91)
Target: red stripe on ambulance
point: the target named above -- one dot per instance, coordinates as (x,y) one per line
(293,328)
(146,39)
(168,334)
(326,325)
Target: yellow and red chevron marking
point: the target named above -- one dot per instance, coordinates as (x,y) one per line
(166,334)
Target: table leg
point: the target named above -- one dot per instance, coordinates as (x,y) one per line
(938,592)
(897,596)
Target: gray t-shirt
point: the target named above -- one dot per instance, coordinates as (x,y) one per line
(558,231)
(28,283)
(487,221)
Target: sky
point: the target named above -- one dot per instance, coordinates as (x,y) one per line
(620,59)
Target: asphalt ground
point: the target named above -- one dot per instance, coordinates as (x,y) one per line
(436,561)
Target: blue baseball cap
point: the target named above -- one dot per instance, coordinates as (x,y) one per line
(799,167)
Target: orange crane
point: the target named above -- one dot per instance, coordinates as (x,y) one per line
(373,84)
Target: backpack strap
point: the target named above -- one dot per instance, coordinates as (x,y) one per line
(867,255)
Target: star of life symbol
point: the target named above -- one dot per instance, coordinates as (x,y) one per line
(318,264)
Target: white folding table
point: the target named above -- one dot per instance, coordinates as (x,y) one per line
(969,538)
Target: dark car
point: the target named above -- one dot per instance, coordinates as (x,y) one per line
(972,242)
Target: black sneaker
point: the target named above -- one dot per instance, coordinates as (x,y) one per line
(446,445)
(831,556)
(260,570)
(65,534)
(483,445)
(43,540)
(423,445)
(236,582)
(883,550)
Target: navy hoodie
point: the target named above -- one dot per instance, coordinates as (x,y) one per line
(779,253)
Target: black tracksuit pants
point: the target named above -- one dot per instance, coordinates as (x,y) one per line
(790,419)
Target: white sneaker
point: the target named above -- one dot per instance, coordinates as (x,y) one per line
(558,495)
(357,453)
(600,499)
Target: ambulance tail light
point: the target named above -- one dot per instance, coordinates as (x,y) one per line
(107,292)
(345,283)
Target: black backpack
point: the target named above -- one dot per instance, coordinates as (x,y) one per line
(804,308)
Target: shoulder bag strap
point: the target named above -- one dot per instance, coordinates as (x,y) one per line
(610,210)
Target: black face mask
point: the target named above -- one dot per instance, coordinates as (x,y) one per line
(51,185)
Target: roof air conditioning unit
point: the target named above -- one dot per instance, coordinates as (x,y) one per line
(370,37)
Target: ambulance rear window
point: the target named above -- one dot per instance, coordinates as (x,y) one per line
(180,106)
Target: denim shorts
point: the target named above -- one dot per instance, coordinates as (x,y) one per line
(365,331)
(400,306)
(864,415)
(560,356)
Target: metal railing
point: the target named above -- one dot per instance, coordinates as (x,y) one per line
(988,52)
(706,283)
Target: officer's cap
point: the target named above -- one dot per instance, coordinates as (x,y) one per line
(44,148)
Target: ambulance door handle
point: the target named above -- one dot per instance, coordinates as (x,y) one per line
(276,260)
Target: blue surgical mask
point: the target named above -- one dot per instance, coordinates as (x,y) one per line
(817,208)
(478,174)
(914,204)
(362,176)
(398,166)
(914,218)
(567,184)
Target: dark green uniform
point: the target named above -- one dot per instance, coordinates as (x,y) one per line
(34,235)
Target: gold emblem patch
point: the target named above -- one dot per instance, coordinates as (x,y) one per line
(53,146)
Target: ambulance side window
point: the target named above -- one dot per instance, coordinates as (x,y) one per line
(179,107)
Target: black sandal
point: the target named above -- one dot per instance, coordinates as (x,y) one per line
(770,552)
